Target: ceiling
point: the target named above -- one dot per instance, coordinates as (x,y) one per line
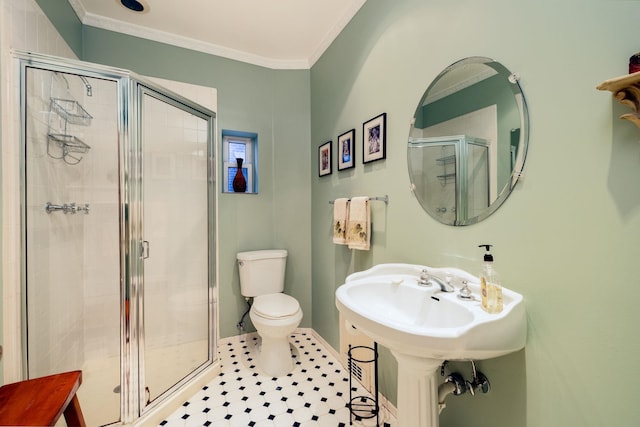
(279,34)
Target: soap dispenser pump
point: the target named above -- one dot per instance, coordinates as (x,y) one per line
(490,284)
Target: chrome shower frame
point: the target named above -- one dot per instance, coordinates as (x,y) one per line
(130,87)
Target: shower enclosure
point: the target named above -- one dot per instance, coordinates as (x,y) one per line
(456,176)
(118,232)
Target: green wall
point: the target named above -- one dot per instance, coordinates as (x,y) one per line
(567,239)
(276,106)
(62,16)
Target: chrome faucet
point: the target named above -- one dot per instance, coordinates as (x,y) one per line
(427,279)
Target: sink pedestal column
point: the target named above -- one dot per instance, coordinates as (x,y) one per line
(417,391)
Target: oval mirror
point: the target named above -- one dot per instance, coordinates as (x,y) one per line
(468,141)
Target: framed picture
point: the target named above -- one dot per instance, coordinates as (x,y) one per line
(324,159)
(345,151)
(374,139)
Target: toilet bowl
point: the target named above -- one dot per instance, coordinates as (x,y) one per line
(275,317)
(274,314)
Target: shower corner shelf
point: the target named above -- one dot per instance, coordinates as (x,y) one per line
(447,178)
(69,143)
(71,111)
(626,89)
(446,159)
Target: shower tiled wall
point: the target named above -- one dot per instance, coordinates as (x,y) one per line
(73,259)
(101,228)
(22,26)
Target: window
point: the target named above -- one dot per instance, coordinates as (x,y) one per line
(239,145)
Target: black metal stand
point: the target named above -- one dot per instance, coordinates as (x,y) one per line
(364,407)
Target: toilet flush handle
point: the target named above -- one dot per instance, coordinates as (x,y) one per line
(240,263)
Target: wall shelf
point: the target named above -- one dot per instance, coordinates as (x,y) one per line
(626,89)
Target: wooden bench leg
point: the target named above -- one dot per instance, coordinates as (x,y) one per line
(73,414)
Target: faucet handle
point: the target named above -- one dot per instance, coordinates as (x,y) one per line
(465,292)
(424,278)
(70,208)
(84,208)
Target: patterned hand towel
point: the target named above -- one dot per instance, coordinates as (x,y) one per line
(359,228)
(340,218)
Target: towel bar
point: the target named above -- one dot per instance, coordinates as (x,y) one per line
(384,198)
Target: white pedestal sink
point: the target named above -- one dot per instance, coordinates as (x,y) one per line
(423,327)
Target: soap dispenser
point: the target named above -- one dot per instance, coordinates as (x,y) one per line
(490,284)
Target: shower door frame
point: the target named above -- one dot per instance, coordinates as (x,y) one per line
(139,88)
(133,404)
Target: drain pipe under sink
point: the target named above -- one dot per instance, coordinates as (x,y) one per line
(453,384)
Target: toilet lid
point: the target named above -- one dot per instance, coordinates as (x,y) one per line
(275,306)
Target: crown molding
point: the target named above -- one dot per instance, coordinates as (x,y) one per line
(189,43)
(78,8)
(109,24)
(335,32)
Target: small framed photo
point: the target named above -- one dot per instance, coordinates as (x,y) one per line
(374,139)
(324,159)
(345,151)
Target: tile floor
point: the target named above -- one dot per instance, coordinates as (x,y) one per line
(315,393)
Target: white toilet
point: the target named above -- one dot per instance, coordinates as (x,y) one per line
(274,314)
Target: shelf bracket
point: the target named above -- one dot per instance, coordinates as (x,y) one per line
(626,89)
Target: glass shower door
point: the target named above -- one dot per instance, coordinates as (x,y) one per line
(71,234)
(435,165)
(477,179)
(176,251)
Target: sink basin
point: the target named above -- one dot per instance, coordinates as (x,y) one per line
(423,326)
(387,303)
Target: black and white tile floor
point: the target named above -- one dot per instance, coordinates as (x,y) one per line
(315,393)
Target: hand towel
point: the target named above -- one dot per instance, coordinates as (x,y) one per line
(359,225)
(340,218)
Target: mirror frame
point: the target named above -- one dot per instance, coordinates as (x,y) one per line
(503,193)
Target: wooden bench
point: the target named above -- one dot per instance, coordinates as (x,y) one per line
(41,401)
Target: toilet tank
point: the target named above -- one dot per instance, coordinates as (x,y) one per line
(261,272)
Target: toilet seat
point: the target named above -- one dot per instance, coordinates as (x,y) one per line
(275,306)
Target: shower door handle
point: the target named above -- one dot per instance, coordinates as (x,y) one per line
(144,249)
